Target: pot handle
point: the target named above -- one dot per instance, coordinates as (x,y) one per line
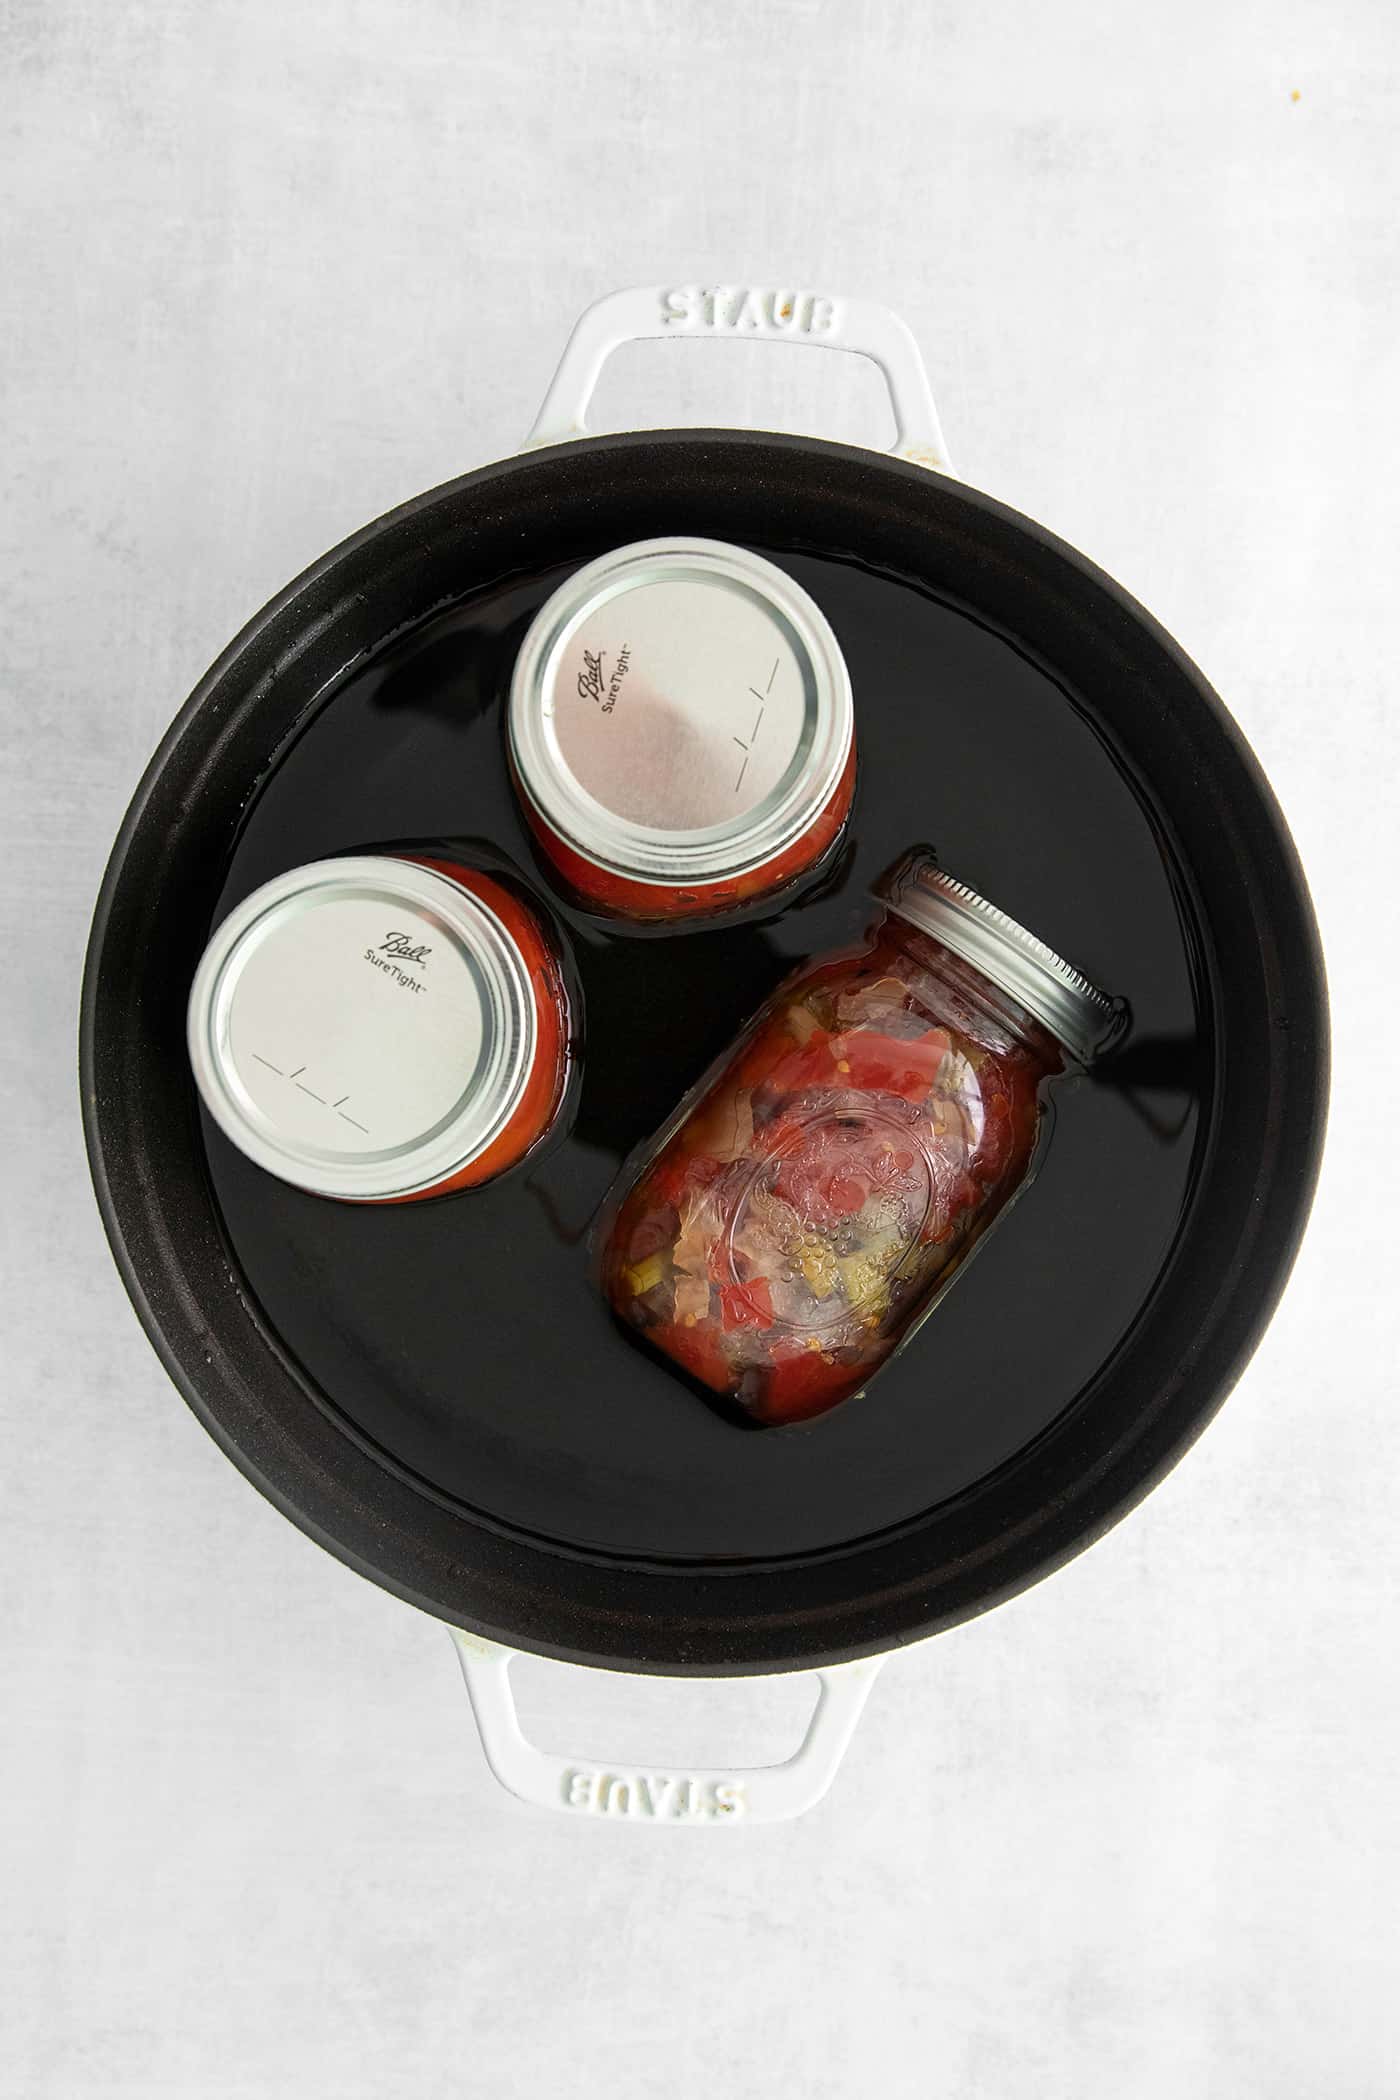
(650,1794)
(767,312)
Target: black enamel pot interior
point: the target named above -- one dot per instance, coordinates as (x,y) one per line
(564,1586)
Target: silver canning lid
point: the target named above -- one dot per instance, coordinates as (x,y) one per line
(1080,1016)
(680,712)
(362,1027)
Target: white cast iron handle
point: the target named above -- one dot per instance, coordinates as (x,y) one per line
(766,312)
(650,1793)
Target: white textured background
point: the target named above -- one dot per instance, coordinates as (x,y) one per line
(270,268)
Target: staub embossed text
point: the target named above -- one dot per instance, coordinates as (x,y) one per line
(654,1795)
(732,308)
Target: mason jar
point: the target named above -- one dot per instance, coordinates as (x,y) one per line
(384,1027)
(680,733)
(797,1219)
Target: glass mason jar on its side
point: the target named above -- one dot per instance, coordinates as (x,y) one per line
(800,1214)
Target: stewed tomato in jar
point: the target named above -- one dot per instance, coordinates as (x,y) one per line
(800,1215)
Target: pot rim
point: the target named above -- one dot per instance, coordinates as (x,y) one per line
(336,1498)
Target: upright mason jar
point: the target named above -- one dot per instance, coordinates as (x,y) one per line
(681,733)
(801,1213)
(385,1027)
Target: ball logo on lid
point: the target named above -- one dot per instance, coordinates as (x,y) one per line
(594,683)
(393,953)
(402,948)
